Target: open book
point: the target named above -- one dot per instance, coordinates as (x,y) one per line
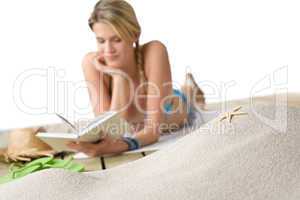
(107,124)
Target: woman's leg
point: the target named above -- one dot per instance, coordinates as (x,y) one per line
(177,116)
(194,98)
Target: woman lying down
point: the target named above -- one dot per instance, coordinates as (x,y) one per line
(132,78)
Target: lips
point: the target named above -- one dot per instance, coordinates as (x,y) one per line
(110,56)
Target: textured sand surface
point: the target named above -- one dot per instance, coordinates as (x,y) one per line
(257,156)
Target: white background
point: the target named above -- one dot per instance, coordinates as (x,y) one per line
(250,47)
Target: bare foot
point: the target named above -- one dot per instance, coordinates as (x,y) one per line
(193,92)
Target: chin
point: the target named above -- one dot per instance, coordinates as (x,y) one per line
(114,64)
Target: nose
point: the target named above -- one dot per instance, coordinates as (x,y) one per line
(109,49)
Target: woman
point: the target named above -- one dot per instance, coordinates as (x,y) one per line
(132,78)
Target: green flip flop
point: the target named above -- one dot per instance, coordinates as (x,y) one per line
(65,164)
(21,170)
(15,173)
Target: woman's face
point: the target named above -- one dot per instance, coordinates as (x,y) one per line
(112,49)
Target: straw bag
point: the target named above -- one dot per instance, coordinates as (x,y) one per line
(23,145)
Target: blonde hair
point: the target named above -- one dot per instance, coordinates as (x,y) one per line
(121,16)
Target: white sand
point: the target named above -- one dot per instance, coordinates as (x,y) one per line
(249,159)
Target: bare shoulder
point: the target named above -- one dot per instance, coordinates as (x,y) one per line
(155,57)
(153,46)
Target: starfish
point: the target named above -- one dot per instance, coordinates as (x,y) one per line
(229,115)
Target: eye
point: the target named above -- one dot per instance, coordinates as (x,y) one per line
(100,41)
(117,40)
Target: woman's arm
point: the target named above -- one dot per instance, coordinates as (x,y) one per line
(97,85)
(121,85)
(158,73)
(122,95)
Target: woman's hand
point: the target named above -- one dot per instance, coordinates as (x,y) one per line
(107,145)
(100,65)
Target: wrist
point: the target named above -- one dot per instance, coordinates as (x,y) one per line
(121,146)
(119,77)
(132,143)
